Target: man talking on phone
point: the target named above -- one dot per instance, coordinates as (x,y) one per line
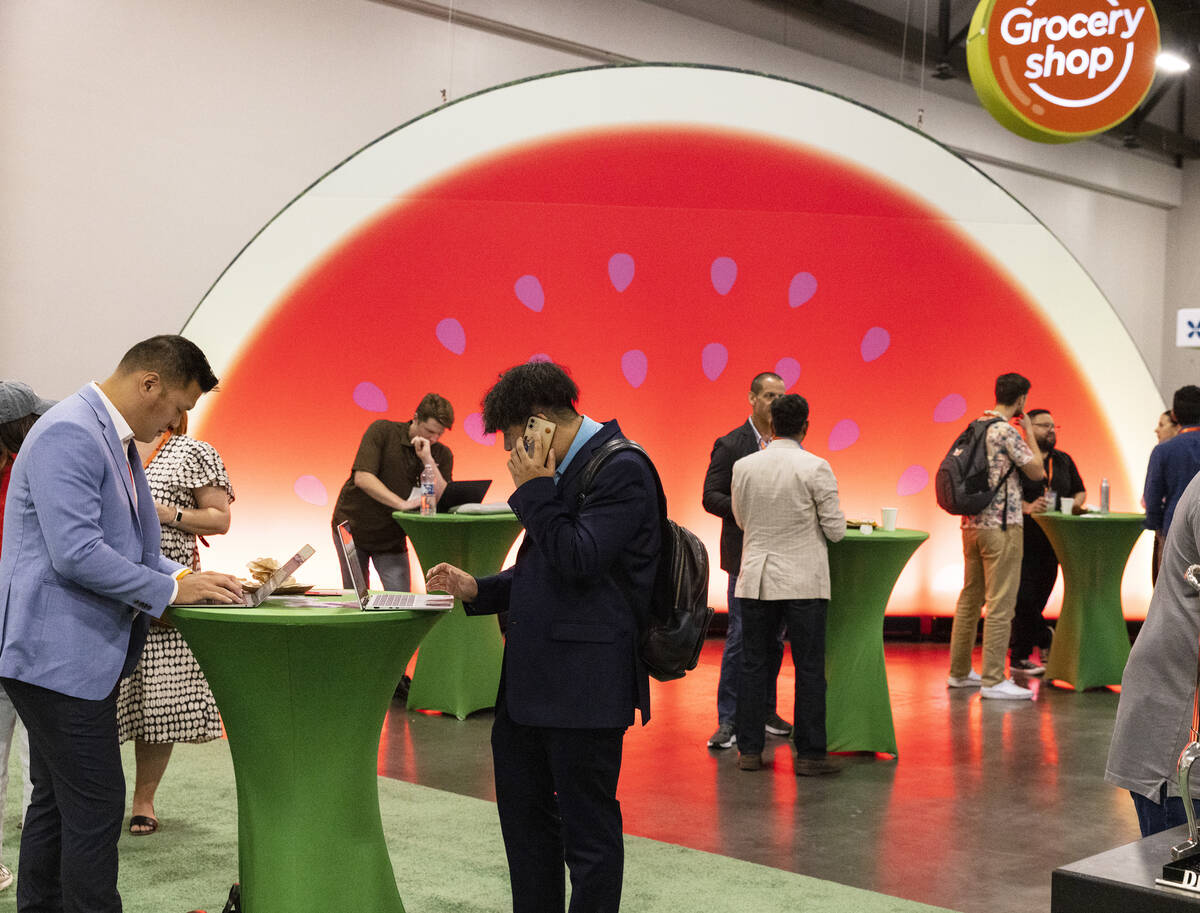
(571,673)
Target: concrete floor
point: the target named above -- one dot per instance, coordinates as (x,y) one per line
(984,801)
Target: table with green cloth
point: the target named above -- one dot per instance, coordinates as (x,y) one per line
(1091,641)
(458,665)
(863,569)
(303,692)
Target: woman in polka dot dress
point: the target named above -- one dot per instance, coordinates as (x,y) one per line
(166,699)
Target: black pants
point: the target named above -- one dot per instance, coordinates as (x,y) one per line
(1039,571)
(69,844)
(556,794)
(805,620)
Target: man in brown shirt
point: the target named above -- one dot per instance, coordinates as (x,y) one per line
(386,468)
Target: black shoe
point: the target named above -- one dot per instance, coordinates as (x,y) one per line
(777,725)
(1026,667)
(815,767)
(723,737)
(750,762)
(402,688)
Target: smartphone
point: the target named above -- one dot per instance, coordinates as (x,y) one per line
(539,428)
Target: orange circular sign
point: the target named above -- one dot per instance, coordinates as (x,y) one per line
(1061,70)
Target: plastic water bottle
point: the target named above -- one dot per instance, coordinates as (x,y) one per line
(1104,496)
(428,500)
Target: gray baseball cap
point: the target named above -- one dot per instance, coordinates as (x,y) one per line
(18,400)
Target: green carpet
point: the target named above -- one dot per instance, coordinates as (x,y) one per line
(446,851)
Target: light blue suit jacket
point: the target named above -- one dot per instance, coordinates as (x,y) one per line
(81,569)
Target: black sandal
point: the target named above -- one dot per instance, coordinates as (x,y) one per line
(146,821)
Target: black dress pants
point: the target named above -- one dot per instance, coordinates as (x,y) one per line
(1039,571)
(556,794)
(68,858)
(805,620)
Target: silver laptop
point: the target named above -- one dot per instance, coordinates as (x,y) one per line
(275,581)
(383,602)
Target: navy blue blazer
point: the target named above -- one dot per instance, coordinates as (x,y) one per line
(81,569)
(573,596)
(718,483)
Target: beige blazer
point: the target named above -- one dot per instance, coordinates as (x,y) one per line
(786,501)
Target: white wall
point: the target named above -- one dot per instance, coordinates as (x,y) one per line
(143,144)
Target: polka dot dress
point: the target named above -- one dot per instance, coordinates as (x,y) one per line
(166,698)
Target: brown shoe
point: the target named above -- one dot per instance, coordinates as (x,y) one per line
(750,762)
(815,767)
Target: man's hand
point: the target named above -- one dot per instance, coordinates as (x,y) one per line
(421,446)
(204,585)
(449,579)
(1035,507)
(1026,426)
(524,466)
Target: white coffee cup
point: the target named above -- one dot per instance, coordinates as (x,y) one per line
(1066,505)
(889,518)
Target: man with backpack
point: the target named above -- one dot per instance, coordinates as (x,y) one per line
(576,597)
(993,544)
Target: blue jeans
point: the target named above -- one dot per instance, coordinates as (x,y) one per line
(806,630)
(1166,813)
(731,663)
(392,567)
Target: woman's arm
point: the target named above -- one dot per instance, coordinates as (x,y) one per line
(210,517)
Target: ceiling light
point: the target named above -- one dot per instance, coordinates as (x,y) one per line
(1171,63)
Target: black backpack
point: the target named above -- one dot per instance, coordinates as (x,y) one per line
(672,635)
(961,483)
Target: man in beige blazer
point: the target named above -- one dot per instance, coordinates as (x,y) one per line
(786,502)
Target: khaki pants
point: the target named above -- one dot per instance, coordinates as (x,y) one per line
(991,574)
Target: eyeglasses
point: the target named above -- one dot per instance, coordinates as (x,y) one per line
(1046,425)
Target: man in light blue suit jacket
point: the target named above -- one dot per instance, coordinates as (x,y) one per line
(80,576)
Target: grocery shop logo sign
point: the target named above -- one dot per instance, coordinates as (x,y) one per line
(1061,70)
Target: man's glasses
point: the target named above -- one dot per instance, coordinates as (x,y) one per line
(1046,425)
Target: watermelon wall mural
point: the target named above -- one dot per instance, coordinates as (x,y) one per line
(666,232)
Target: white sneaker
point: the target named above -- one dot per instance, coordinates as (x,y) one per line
(1007,690)
(6,876)
(972,680)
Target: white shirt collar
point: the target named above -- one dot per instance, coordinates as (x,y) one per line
(124,432)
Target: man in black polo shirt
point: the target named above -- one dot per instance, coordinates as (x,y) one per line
(386,469)
(1039,565)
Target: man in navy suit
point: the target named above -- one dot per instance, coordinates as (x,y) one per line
(80,577)
(749,437)
(572,675)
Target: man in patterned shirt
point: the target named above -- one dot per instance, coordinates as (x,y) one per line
(993,543)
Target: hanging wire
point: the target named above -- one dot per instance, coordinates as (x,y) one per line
(904,37)
(448,92)
(921,84)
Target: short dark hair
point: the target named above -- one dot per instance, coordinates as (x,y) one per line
(789,414)
(12,434)
(1186,405)
(756,385)
(178,361)
(437,408)
(1010,388)
(1034,413)
(524,390)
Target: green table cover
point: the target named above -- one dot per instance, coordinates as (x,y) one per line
(1091,642)
(863,569)
(303,692)
(458,666)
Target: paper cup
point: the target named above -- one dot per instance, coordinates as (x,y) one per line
(866,529)
(889,518)
(1066,505)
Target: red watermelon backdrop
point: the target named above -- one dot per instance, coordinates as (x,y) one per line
(664,265)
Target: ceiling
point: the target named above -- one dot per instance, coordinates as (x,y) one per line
(1167,124)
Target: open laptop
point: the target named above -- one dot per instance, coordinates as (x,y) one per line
(383,602)
(275,581)
(459,493)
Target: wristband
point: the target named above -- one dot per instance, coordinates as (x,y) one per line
(178,515)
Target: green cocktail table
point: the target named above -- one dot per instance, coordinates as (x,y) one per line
(303,692)
(863,569)
(1091,642)
(458,666)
